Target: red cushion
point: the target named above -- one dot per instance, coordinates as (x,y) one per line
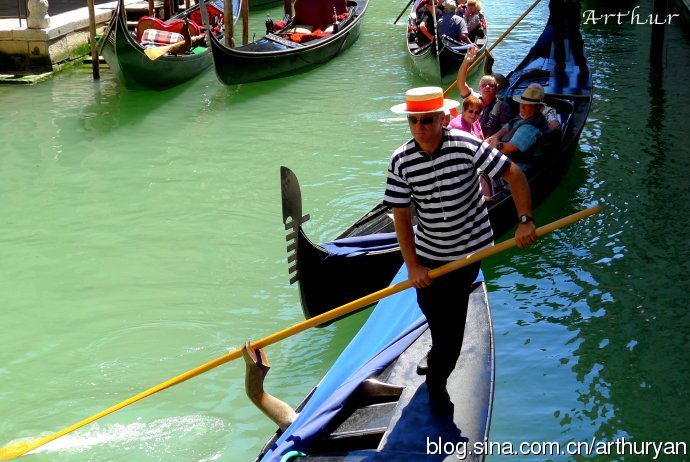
(302,38)
(160,37)
(147,22)
(213,12)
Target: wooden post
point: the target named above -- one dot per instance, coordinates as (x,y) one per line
(229,23)
(245,22)
(151,12)
(92,39)
(658,29)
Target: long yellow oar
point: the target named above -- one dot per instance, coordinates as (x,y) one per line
(16,450)
(493,45)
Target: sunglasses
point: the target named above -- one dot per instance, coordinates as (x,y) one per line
(478,111)
(423,120)
(488,85)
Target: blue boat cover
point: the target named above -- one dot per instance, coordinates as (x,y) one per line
(393,326)
(352,246)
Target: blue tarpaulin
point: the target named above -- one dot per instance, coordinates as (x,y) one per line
(351,246)
(393,325)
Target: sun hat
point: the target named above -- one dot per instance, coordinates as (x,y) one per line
(531,95)
(421,100)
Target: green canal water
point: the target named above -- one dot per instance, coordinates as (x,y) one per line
(141,236)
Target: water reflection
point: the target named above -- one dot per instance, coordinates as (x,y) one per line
(607,301)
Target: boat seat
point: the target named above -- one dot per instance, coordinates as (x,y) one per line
(156,38)
(319,13)
(215,16)
(149,23)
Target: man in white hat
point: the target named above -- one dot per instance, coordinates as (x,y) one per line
(518,138)
(437,171)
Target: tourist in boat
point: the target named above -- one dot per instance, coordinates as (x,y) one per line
(495,113)
(257,367)
(474,18)
(468,120)
(452,25)
(519,137)
(460,9)
(426,23)
(437,171)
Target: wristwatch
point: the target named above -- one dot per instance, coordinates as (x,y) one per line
(499,146)
(525,219)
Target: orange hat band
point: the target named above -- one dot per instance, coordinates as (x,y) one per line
(427,105)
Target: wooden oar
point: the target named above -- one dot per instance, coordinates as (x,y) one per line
(493,45)
(155,53)
(403,11)
(17,449)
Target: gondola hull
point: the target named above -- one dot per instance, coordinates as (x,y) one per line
(439,60)
(355,424)
(332,274)
(440,67)
(273,56)
(127,60)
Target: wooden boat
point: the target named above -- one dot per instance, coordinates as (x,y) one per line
(126,58)
(280,53)
(365,257)
(439,60)
(346,419)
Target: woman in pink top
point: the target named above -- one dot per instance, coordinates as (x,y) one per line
(468,120)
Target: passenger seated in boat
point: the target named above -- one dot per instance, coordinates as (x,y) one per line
(495,113)
(550,113)
(460,9)
(452,25)
(257,367)
(468,120)
(474,18)
(425,22)
(518,138)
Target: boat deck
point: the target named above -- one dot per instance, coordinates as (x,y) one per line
(409,430)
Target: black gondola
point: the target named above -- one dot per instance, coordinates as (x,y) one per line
(438,61)
(365,257)
(372,405)
(128,61)
(280,53)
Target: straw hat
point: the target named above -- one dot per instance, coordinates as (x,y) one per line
(532,95)
(421,100)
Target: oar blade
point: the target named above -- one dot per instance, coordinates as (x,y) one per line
(155,53)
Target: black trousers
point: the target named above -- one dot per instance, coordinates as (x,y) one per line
(565,18)
(444,303)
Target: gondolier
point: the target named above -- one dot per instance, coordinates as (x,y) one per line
(437,171)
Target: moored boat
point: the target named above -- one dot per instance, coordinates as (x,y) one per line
(438,60)
(351,416)
(127,59)
(366,256)
(318,31)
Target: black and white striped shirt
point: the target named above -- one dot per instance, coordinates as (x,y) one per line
(453,219)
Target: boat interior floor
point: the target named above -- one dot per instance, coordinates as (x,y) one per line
(401,427)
